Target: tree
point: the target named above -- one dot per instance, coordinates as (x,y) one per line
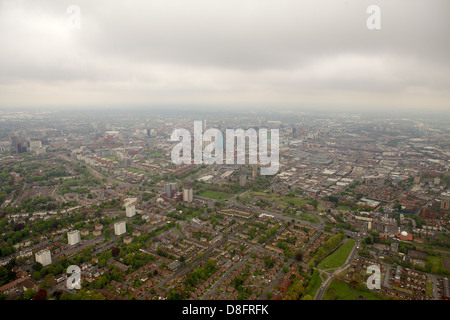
(36,275)
(354,284)
(40,295)
(29,294)
(6,274)
(102,263)
(19,227)
(369,240)
(115,252)
(269,263)
(294,291)
(49,282)
(37,266)
(315,203)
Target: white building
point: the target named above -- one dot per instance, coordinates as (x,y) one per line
(130,207)
(188,195)
(35,145)
(44,257)
(120,228)
(73,237)
(130,211)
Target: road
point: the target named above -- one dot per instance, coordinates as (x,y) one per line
(179,273)
(330,276)
(386,278)
(78,248)
(225,276)
(281,216)
(185,269)
(97,174)
(62,286)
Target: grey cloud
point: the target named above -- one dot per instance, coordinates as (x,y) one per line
(166,49)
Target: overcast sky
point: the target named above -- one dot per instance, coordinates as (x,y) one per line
(225,52)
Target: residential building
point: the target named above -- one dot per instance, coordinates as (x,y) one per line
(120,228)
(44,257)
(130,207)
(73,237)
(188,195)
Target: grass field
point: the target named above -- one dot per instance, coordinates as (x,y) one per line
(262,195)
(337,258)
(135,170)
(436,261)
(308,217)
(296,201)
(404,290)
(339,290)
(429,290)
(304,216)
(215,195)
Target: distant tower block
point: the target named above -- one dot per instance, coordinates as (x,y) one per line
(130,207)
(170,189)
(254,171)
(35,145)
(188,195)
(242,180)
(260,121)
(44,257)
(120,228)
(73,237)
(130,211)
